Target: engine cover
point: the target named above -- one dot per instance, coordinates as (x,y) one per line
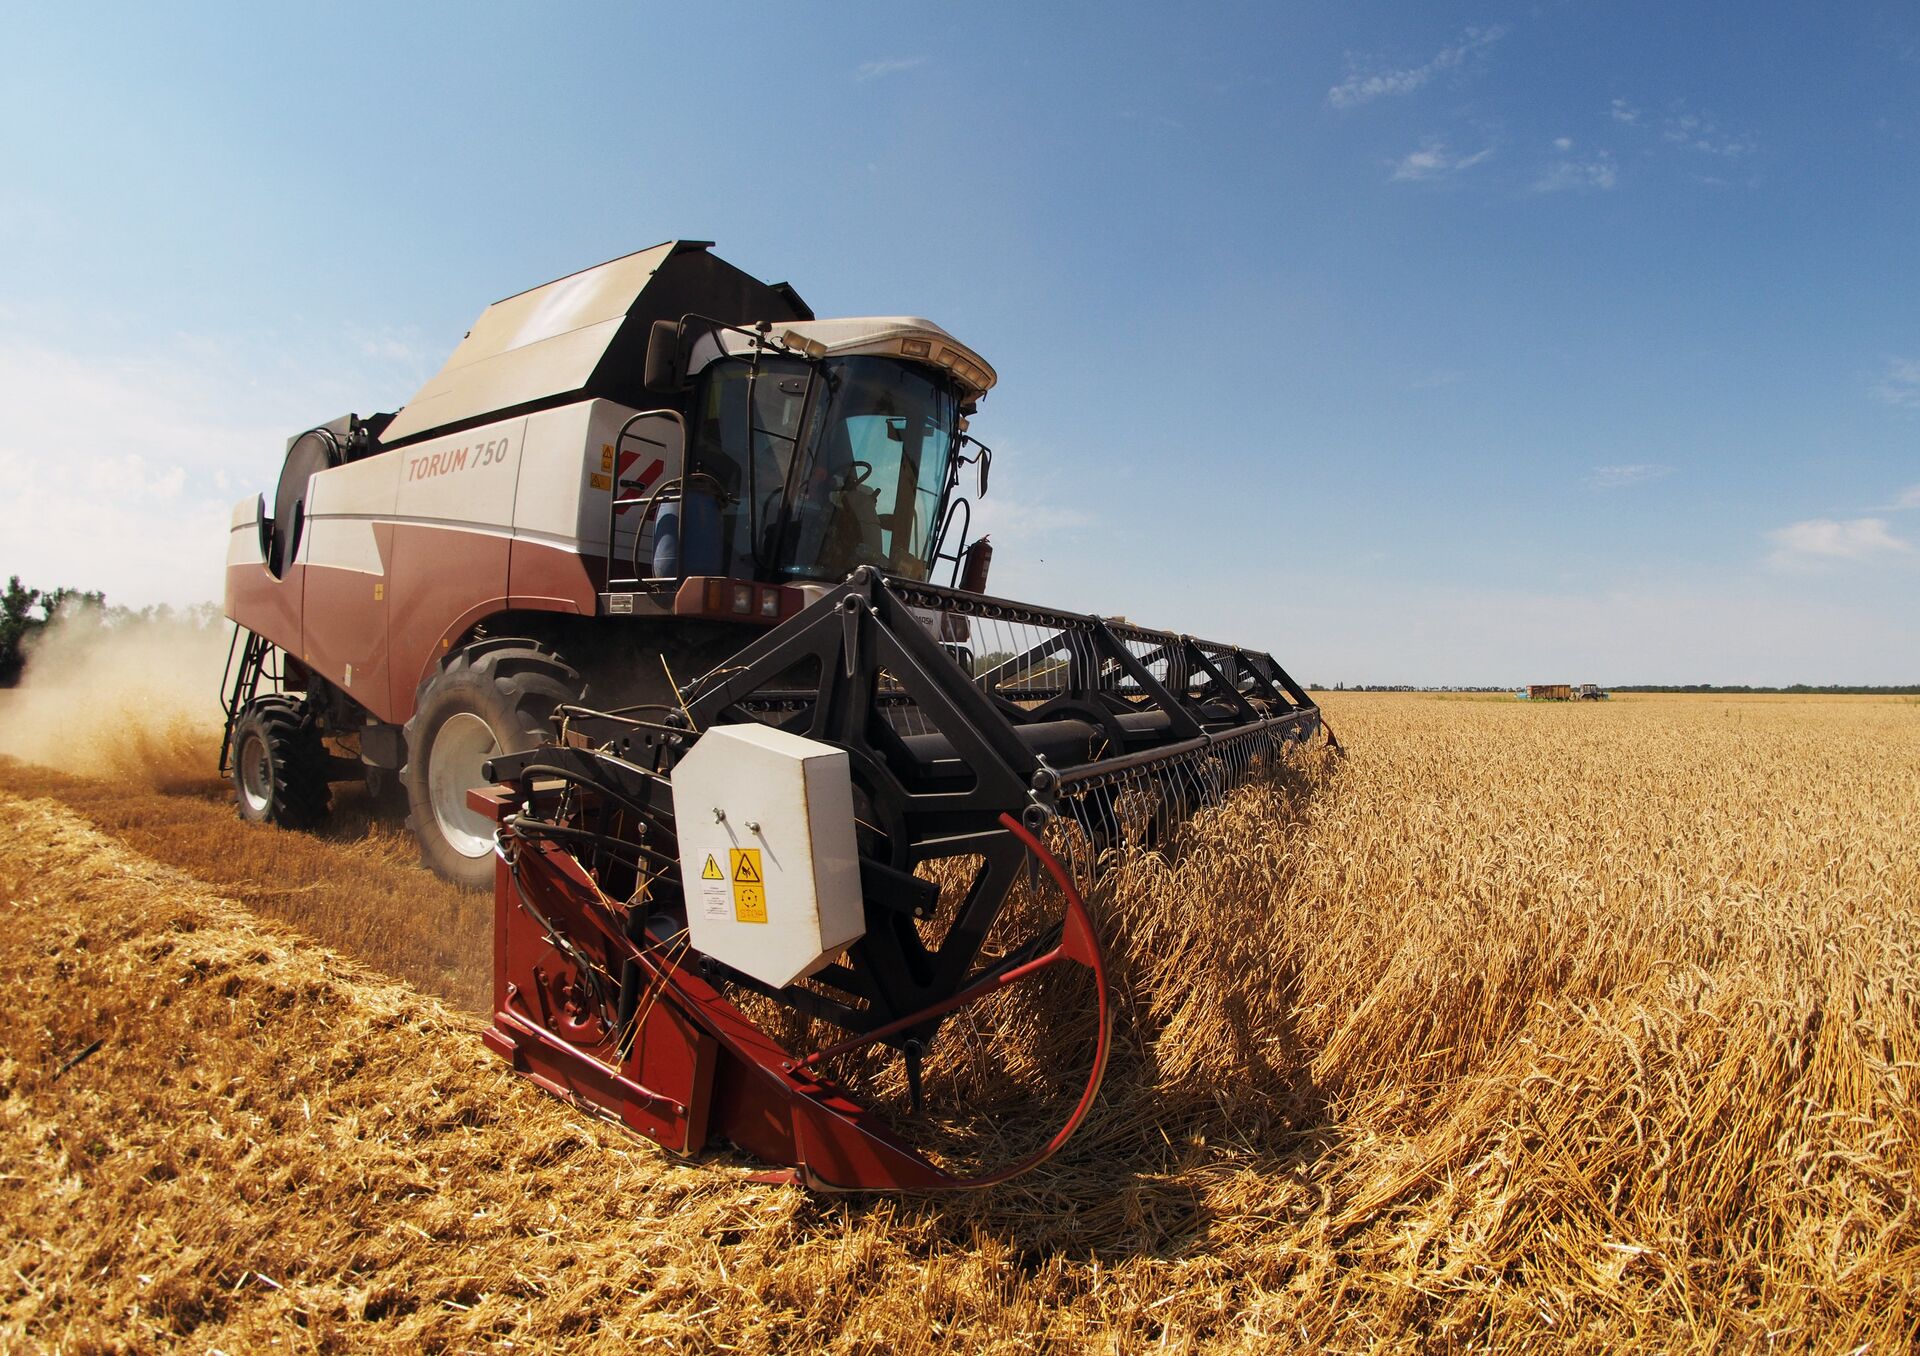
(768,860)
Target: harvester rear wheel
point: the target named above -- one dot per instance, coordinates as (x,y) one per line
(491,697)
(279,765)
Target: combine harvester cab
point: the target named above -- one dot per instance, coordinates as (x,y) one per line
(635,599)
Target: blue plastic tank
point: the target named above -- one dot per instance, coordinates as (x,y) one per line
(686,536)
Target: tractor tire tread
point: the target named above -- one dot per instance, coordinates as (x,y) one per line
(522,681)
(302,796)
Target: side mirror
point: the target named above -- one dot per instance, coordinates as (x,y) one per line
(662,372)
(986,461)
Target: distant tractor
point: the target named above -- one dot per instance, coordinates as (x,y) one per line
(1562,692)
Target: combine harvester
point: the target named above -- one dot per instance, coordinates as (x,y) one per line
(636,599)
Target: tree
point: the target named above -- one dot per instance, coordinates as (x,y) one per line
(16,619)
(17,622)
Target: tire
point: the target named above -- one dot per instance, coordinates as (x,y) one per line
(491,697)
(279,765)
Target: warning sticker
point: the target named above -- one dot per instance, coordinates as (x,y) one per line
(716,902)
(749,885)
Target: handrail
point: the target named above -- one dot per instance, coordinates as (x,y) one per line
(959,554)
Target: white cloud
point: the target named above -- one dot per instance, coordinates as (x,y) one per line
(1824,540)
(1595,171)
(175,408)
(1686,130)
(1563,144)
(1433,161)
(1901,385)
(123,524)
(1614,477)
(874,70)
(1364,86)
(119,469)
(1697,132)
(1908,498)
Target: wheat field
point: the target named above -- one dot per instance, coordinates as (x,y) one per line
(1523,1026)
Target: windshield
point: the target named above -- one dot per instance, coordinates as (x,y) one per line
(865,484)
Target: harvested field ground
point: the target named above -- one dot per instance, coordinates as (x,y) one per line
(1583,1026)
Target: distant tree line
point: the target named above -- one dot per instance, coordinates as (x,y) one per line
(24,612)
(1804,689)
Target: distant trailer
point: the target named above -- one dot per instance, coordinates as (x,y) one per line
(1550,692)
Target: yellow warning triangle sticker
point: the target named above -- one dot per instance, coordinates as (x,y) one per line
(746,867)
(711,871)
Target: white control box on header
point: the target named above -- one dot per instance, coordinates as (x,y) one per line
(768,859)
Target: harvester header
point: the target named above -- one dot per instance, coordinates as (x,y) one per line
(687,863)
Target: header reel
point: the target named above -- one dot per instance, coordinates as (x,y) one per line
(875,817)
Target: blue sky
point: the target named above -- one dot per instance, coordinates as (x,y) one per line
(1424,343)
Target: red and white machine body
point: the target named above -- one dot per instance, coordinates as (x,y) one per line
(403,553)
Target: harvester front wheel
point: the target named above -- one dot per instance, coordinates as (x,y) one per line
(280,765)
(488,698)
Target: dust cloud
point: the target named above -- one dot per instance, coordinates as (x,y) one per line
(132,699)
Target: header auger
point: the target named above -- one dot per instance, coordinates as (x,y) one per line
(635,601)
